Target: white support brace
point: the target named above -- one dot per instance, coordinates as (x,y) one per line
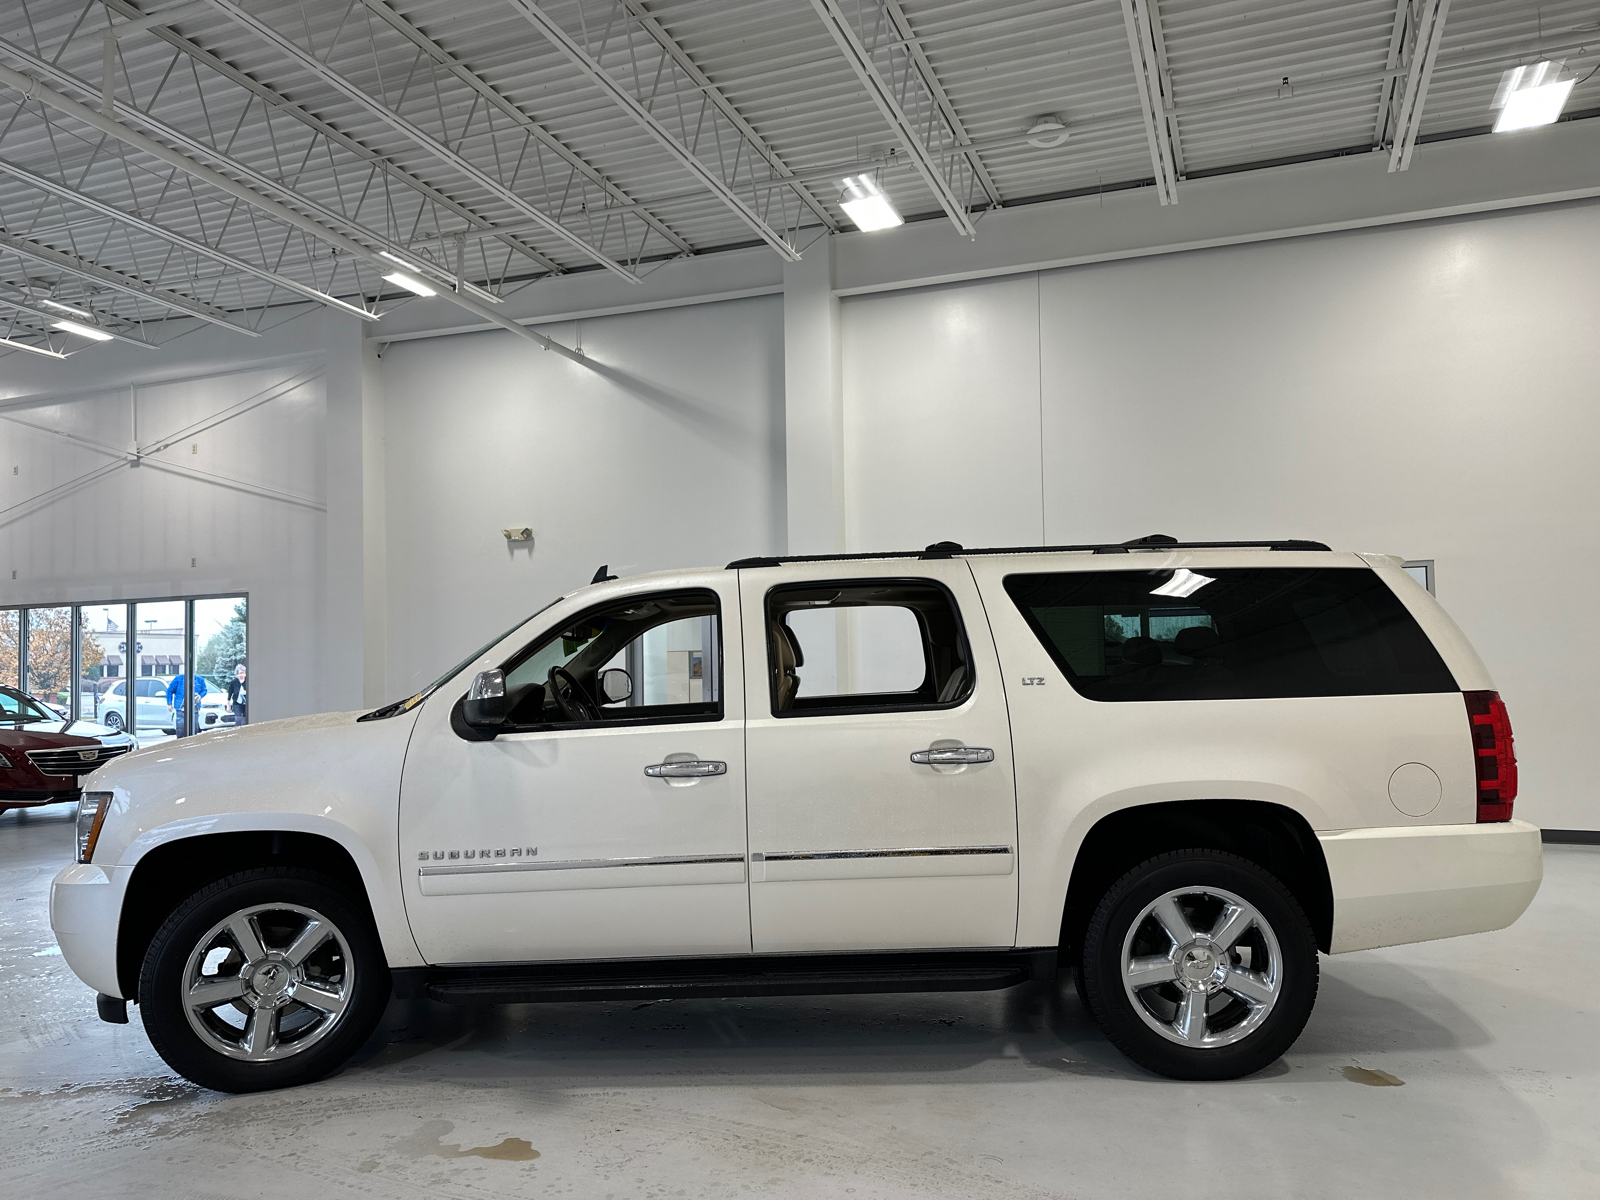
(1142,24)
(1425,29)
(934,174)
(416,133)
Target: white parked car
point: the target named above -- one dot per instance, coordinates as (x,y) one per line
(1175,771)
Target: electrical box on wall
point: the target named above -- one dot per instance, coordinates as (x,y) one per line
(523,534)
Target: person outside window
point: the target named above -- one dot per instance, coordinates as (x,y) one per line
(236,696)
(175,700)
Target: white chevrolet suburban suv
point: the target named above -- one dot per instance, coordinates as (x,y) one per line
(1177,771)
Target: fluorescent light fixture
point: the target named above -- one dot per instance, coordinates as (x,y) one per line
(1184,583)
(1530,96)
(401,279)
(67,308)
(5,341)
(864,203)
(395,258)
(88,331)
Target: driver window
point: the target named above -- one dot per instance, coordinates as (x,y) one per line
(645,658)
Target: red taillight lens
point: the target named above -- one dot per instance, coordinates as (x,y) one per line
(1495,755)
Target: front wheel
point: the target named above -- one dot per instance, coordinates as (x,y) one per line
(1200,965)
(266,979)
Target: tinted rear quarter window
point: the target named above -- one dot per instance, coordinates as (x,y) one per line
(1232,633)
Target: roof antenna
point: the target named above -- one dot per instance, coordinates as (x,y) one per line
(600,576)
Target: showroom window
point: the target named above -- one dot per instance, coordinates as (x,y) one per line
(646,658)
(124,664)
(865,645)
(1229,633)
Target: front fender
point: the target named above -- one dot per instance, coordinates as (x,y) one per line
(328,776)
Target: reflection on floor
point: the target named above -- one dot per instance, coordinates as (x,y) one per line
(1465,1068)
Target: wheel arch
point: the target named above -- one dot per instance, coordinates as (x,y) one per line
(170,872)
(1273,836)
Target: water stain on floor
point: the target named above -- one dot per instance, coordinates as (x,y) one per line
(430,1140)
(1372,1078)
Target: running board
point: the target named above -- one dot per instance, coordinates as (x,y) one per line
(764,975)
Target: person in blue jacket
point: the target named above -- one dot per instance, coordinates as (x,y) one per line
(175,699)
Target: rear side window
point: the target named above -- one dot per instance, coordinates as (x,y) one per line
(1234,633)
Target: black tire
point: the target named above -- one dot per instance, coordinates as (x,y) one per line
(1131,1023)
(162,981)
(113,721)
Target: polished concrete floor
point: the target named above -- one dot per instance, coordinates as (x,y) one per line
(1492,1039)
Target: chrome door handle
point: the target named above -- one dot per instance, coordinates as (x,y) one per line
(952,756)
(694,768)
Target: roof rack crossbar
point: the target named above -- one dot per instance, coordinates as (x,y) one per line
(952,550)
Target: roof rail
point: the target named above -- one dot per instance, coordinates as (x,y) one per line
(1154,541)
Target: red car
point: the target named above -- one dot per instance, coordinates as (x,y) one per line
(43,757)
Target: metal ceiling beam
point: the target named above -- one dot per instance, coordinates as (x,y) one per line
(184,243)
(642,116)
(860,59)
(930,80)
(419,135)
(521,119)
(38,91)
(98,321)
(701,80)
(1425,22)
(128,284)
(1140,23)
(48,70)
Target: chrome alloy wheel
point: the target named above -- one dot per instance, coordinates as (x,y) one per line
(268,982)
(1202,967)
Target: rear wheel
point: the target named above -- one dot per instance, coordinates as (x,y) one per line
(1200,965)
(266,979)
(113,721)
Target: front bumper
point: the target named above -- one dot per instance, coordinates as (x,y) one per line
(1414,884)
(85,908)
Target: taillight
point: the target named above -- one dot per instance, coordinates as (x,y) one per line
(1496,758)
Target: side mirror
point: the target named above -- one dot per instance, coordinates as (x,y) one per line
(616,685)
(485,702)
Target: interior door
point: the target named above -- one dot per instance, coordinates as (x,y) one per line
(553,841)
(882,800)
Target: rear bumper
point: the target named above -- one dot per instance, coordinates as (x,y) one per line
(85,907)
(1414,884)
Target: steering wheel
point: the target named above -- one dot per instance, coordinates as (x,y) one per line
(570,697)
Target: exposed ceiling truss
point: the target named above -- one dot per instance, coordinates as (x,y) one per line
(875,39)
(679,112)
(1419,28)
(175,162)
(1142,23)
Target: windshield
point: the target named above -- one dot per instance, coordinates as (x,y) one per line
(14,706)
(410,702)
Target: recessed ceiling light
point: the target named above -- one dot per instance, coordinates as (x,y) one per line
(864,203)
(1531,95)
(88,331)
(66,308)
(401,279)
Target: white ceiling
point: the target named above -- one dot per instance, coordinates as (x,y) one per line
(691,126)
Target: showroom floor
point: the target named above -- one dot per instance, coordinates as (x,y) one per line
(968,1095)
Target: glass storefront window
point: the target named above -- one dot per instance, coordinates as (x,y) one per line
(220,643)
(156,670)
(10,647)
(50,657)
(102,664)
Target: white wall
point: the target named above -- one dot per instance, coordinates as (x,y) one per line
(233,508)
(1427,390)
(670,454)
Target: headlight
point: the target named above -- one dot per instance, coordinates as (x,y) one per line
(91,815)
(5,763)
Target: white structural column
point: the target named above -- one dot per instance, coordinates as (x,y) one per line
(355,612)
(813,404)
